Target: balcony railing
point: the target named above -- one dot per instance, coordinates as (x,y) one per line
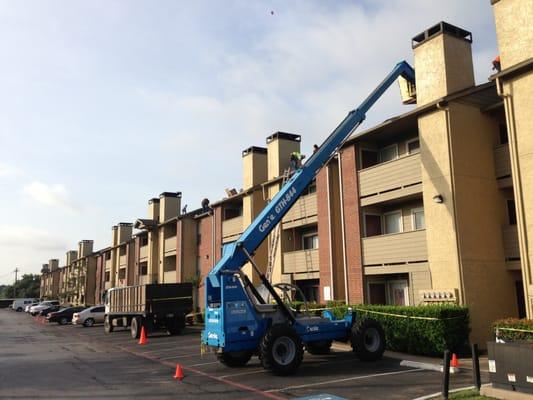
(231,228)
(108,264)
(169,277)
(143,252)
(300,261)
(303,211)
(502,160)
(123,260)
(170,244)
(397,174)
(510,242)
(395,248)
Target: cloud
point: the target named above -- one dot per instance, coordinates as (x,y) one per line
(8,171)
(55,195)
(31,238)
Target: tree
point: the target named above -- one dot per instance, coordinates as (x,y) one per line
(28,286)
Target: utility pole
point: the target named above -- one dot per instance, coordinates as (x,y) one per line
(15,285)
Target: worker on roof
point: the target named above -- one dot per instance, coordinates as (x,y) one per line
(296,160)
(496,65)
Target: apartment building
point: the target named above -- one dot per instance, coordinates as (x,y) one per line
(514,84)
(50,280)
(430,206)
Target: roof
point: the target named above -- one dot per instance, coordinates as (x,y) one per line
(145,224)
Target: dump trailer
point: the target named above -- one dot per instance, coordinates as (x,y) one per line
(243,320)
(152,306)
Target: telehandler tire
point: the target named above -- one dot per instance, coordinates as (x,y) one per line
(235,359)
(368,340)
(281,350)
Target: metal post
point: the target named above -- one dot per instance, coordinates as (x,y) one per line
(475,367)
(446,375)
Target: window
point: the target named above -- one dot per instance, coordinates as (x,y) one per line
(108,255)
(419,221)
(143,268)
(310,241)
(372,225)
(144,241)
(388,153)
(368,158)
(310,189)
(122,273)
(511,212)
(392,222)
(399,293)
(413,146)
(97,309)
(107,276)
(504,138)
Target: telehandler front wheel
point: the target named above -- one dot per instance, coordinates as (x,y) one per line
(235,358)
(368,340)
(281,350)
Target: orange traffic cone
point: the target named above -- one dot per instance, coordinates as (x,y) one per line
(179,372)
(143,339)
(455,361)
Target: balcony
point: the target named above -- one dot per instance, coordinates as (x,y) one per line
(390,180)
(231,229)
(511,247)
(502,165)
(123,260)
(108,264)
(169,277)
(300,261)
(170,244)
(143,252)
(395,248)
(303,212)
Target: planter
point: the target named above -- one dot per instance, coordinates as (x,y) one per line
(511,366)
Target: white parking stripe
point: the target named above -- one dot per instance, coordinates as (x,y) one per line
(353,378)
(206,363)
(259,371)
(182,356)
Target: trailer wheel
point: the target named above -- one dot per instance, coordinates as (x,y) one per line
(281,350)
(108,325)
(135,327)
(368,340)
(235,358)
(318,347)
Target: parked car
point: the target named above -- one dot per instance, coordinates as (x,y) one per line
(34,310)
(48,310)
(64,315)
(27,309)
(19,304)
(89,316)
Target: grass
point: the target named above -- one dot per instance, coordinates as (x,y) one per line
(471,394)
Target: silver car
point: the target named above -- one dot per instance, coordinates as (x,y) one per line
(89,316)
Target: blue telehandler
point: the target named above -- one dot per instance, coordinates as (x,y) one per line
(242,321)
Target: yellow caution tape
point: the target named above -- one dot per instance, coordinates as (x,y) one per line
(514,329)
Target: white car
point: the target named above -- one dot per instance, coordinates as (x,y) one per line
(89,316)
(27,309)
(34,310)
(20,304)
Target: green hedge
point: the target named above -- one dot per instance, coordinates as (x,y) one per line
(512,329)
(446,328)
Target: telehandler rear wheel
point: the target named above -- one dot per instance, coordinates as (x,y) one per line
(368,340)
(281,350)
(235,358)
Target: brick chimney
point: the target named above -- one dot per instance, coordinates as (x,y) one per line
(85,247)
(153,209)
(169,205)
(443,62)
(53,264)
(254,166)
(280,145)
(45,269)
(71,256)
(124,231)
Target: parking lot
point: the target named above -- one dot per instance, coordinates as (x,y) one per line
(42,360)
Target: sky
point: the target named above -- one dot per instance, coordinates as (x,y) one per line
(105,104)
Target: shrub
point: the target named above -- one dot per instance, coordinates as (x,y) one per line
(512,329)
(426,330)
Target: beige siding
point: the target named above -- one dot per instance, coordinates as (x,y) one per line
(303,212)
(231,228)
(510,242)
(143,253)
(300,261)
(123,260)
(169,277)
(395,248)
(502,161)
(419,280)
(391,175)
(170,244)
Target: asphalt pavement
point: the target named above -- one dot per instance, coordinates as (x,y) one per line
(40,360)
